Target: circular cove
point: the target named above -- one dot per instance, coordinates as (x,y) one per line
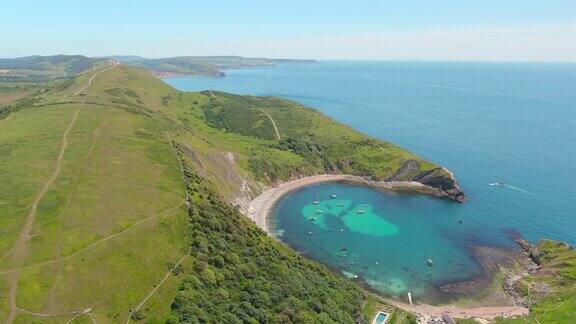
(382,240)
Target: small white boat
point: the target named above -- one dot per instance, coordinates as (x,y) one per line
(333,196)
(341,230)
(340,204)
(360,212)
(312,218)
(429,262)
(315,202)
(309,233)
(318,211)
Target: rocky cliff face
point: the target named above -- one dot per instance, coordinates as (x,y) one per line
(439,179)
(442,180)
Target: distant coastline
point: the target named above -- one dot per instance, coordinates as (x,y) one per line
(168,74)
(218,71)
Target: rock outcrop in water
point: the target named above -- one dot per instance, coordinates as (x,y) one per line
(440,179)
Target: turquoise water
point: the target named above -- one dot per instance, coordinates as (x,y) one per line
(384,239)
(487,122)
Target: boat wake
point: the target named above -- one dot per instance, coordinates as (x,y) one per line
(519,189)
(511,187)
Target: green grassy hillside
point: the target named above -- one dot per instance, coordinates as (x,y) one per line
(321,144)
(117,202)
(115,195)
(42,69)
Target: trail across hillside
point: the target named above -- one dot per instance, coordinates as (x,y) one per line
(92,245)
(156,287)
(20,248)
(262,110)
(273,123)
(114,63)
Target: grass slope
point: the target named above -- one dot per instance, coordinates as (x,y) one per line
(118,196)
(150,175)
(318,143)
(43,69)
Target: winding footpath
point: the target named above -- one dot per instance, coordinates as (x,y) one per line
(20,250)
(114,63)
(92,245)
(156,287)
(262,110)
(273,123)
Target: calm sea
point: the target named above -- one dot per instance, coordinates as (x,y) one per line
(488,122)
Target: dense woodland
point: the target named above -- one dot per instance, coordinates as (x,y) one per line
(240,275)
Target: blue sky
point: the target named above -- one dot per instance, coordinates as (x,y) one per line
(521,30)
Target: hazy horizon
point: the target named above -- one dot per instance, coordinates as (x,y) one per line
(303,58)
(417,30)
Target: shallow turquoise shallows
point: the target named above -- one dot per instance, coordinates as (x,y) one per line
(511,123)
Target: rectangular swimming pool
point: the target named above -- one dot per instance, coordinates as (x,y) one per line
(380,318)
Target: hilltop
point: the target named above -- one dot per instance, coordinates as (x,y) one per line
(23,76)
(43,69)
(20,77)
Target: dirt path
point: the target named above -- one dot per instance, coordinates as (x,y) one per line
(114,63)
(19,251)
(273,123)
(107,238)
(262,110)
(156,287)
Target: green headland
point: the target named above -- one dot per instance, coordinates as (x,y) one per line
(120,199)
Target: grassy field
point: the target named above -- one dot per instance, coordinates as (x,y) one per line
(118,195)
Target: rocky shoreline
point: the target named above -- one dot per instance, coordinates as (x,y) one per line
(503,268)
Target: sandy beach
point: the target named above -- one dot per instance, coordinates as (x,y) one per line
(489,313)
(260,207)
